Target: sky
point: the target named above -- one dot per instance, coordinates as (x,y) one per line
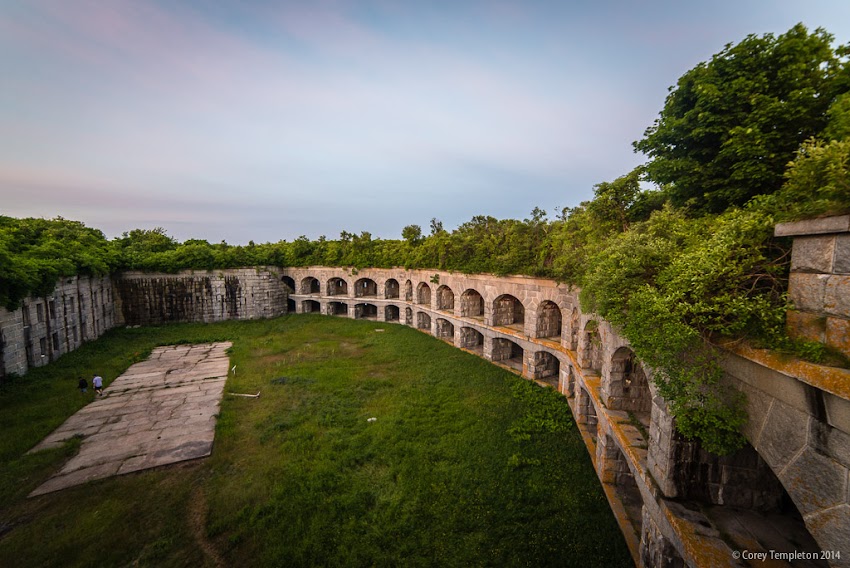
(267,120)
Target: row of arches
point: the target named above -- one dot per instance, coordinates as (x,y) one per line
(507,310)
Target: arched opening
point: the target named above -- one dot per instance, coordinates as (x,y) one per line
(445,299)
(508,353)
(445,330)
(408,291)
(591,348)
(423,294)
(508,312)
(391,313)
(310,285)
(423,321)
(472,339)
(290,306)
(365,311)
(574,322)
(626,387)
(741,497)
(408,316)
(289,283)
(337,287)
(391,289)
(587,413)
(337,309)
(365,288)
(472,304)
(310,306)
(548,319)
(546,368)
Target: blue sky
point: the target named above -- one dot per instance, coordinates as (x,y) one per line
(269,120)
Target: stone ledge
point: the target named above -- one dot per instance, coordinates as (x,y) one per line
(822,226)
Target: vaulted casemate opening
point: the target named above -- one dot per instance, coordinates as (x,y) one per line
(365,311)
(423,294)
(391,288)
(508,311)
(289,283)
(310,306)
(548,320)
(408,316)
(337,287)
(508,353)
(311,285)
(408,291)
(472,304)
(337,309)
(423,321)
(627,387)
(391,313)
(445,329)
(472,339)
(591,352)
(290,306)
(587,413)
(365,287)
(445,299)
(546,367)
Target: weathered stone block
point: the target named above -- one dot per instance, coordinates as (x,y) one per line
(831,529)
(806,325)
(838,334)
(806,291)
(837,296)
(815,482)
(783,435)
(813,254)
(841,260)
(824,225)
(830,441)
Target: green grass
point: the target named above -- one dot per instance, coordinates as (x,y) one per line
(465,464)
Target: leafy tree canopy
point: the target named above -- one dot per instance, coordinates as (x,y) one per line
(730,126)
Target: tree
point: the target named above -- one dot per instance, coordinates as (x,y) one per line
(613,200)
(412,234)
(730,125)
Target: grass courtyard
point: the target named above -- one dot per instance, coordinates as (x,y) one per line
(465,463)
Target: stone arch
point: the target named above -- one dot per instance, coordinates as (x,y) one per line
(508,353)
(574,329)
(445,329)
(548,319)
(310,306)
(445,299)
(423,321)
(591,351)
(289,283)
(508,311)
(423,294)
(472,304)
(365,311)
(626,387)
(472,339)
(391,313)
(337,309)
(408,291)
(365,288)
(391,288)
(310,285)
(337,287)
(408,316)
(545,367)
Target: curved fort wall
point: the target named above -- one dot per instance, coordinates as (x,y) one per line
(789,489)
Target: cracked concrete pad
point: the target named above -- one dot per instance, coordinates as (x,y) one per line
(160,411)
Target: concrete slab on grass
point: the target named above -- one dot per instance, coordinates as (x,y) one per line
(160,411)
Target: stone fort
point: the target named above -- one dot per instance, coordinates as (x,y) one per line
(676,504)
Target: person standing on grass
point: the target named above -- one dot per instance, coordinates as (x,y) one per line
(97,385)
(83,385)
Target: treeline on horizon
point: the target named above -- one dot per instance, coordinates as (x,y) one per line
(757,135)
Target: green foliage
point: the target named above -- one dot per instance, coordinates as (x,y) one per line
(730,125)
